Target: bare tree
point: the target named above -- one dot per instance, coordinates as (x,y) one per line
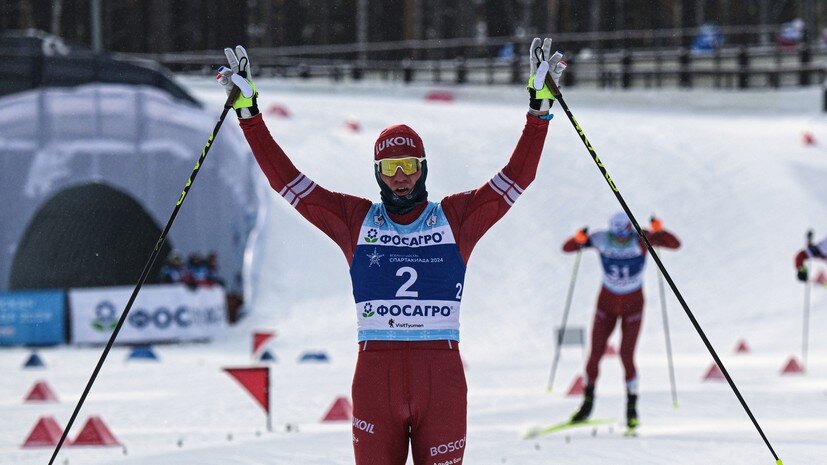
(677,18)
(362,14)
(552,15)
(594,20)
(700,12)
(57,11)
(620,16)
(26,14)
(159,23)
(413,19)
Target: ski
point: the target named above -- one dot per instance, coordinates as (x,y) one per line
(631,432)
(535,432)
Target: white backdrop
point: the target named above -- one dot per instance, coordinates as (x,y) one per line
(160,313)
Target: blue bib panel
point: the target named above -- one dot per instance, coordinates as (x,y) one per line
(407,279)
(623,264)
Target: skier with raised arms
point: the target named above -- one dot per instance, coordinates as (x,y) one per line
(407,260)
(622,256)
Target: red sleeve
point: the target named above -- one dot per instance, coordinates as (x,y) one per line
(800,258)
(663,239)
(338,215)
(472,213)
(571,245)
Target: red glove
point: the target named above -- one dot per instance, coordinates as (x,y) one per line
(582,236)
(656,224)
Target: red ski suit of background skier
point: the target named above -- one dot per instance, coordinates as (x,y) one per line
(624,303)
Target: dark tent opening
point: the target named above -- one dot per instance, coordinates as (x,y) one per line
(86,236)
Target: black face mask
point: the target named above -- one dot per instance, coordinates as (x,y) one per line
(401,205)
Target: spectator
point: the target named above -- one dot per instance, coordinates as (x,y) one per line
(791,33)
(198,269)
(709,38)
(212,270)
(174,270)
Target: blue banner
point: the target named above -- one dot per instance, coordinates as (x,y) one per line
(36,318)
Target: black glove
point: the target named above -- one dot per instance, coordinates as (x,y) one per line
(802,274)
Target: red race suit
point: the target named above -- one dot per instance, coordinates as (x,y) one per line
(404,390)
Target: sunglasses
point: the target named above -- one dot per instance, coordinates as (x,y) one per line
(389,166)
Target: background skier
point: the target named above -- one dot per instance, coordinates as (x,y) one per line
(623,256)
(818,250)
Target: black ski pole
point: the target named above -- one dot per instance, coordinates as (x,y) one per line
(147,267)
(562,331)
(559,97)
(668,341)
(805,339)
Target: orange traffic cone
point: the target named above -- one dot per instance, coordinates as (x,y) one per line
(742,347)
(792,367)
(714,374)
(341,410)
(577,387)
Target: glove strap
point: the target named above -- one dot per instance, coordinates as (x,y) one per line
(249,112)
(247,107)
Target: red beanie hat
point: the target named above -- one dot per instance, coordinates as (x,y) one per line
(398,140)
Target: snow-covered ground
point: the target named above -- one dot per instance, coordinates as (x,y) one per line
(726,172)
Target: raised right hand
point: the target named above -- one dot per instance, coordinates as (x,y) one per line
(582,236)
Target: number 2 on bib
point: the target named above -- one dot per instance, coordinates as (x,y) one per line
(403,290)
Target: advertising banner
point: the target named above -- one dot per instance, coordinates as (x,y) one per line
(167,312)
(32,317)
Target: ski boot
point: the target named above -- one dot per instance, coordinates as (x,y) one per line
(586,408)
(631,414)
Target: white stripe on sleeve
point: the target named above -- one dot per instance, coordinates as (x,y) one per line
(297,189)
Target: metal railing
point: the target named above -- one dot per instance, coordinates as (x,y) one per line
(614,59)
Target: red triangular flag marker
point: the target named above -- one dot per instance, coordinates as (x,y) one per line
(260,338)
(278,110)
(341,410)
(742,347)
(352,125)
(95,433)
(577,387)
(46,433)
(40,392)
(714,374)
(792,367)
(610,350)
(440,96)
(256,381)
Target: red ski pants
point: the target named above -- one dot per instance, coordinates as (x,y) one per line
(409,391)
(628,308)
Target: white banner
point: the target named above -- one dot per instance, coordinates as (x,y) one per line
(166,312)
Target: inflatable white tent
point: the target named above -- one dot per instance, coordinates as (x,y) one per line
(137,142)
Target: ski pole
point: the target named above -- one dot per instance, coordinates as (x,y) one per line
(668,341)
(559,97)
(805,339)
(561,335)
(147,267)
